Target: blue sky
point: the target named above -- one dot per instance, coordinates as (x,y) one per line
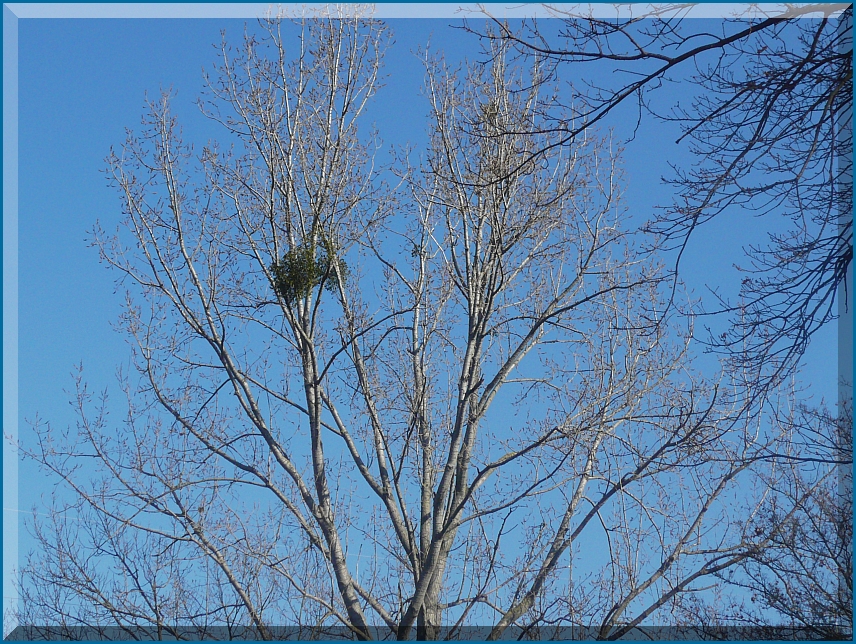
(81,82)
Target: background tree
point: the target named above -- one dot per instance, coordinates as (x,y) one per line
(805,575)
(817,542)
(361,426)
(770,129)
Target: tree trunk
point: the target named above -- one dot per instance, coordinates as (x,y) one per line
(430,615)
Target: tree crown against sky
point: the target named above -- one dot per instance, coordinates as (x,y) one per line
(273,430)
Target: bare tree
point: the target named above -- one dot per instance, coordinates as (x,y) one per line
(359,425)
(770,128)
(805,575)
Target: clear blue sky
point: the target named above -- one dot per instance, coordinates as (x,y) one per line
(83,81)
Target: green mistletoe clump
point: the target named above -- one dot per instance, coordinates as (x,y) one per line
(306,266)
